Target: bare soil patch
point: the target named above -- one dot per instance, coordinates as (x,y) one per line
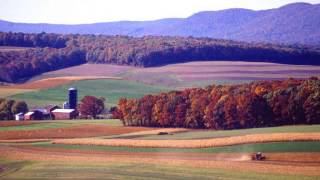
(78,131)
(14,123)
(199,143)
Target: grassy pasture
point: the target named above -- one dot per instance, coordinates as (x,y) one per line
(112,90)
(36,125)
(131,171)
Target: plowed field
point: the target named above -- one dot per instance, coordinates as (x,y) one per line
(78,131)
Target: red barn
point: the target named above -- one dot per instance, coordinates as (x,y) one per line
(62,114)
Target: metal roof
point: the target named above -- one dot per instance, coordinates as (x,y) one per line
(29,113)
(63,110)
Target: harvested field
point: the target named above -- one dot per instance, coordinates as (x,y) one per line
(229,70)
(86,70)
(237,162)
(56,81)
(168,131)
(199,73)
(70,132)
(203,143)
(14,123)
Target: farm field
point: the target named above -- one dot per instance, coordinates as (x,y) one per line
(191,74)
(112,90)
(27,159)
(113,82)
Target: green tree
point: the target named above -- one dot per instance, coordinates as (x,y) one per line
(19,107)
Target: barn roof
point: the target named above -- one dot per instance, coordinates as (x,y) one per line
(29,113)
(63,110)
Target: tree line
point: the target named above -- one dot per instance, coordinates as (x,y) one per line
(256,104)
(9,107)
(54,51)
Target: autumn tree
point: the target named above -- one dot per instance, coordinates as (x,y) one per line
(91,106)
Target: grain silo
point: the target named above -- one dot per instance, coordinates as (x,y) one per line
(73,95)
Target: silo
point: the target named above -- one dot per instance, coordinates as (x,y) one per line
(73,95)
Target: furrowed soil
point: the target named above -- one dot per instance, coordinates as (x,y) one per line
(77,131)
(284,163)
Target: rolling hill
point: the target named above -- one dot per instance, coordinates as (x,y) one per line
(290,24)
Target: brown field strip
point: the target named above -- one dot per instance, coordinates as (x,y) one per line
(14,123)
(77,131)
(56,81)
(308,164)
(201,143)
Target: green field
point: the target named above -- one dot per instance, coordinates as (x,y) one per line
(299,146)
(203,134)
(57,170)
(61,123)
(112,90)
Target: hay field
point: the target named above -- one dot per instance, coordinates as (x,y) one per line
(203,143)
(31,158)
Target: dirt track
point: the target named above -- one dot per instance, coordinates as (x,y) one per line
(284,163)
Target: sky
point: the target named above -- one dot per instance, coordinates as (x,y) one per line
(92,11)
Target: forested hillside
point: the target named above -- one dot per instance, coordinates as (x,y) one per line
(54,51)
(290,24)
(257,104)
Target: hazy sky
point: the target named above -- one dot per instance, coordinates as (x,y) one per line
(90,11)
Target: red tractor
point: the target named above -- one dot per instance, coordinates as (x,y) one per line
(258,156)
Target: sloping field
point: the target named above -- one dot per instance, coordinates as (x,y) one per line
(6,91)
(193,73)
(110,89)
(203,143)
(56,81)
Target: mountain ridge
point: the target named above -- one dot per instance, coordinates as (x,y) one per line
(296,23)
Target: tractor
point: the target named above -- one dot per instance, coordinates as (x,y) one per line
(258,156)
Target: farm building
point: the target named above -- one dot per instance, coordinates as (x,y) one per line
(51,108)
(19,117)
(61,114)
(33,115)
